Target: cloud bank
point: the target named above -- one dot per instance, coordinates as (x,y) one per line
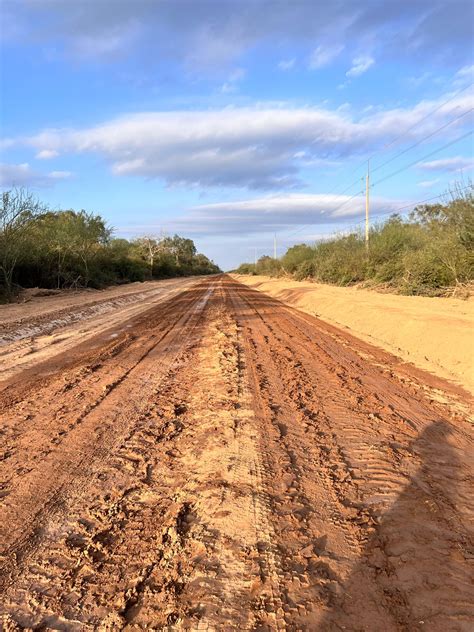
(279,212)
(208,34)
(254,148)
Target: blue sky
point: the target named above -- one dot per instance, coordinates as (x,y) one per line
(229,121)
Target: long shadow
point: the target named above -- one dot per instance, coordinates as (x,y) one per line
(413,573)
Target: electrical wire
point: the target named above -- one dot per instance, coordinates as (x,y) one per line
(408,129)
(427,116)
(422,140)
(415,162)
(335,211)
(390,144)
(413,204)
(402,208)
(400,136)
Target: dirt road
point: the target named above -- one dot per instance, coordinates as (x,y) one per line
(225,462)
(35,331)
(433,333)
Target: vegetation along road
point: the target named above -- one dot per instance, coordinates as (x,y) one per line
(204,457)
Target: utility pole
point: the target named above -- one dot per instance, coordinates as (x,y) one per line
(367,187)
(274,246)
(255,255)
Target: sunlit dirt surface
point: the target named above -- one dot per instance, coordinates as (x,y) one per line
(220,461)
(432,333)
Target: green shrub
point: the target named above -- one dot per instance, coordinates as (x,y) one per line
(432,250)
(305,270)
(296,255)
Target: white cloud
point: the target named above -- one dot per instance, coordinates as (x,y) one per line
(324,55)
(46,154)
(231,85)
(418,80)
(228,88)
(287,64)
(457,163)
(60,175)
(464,76)
(427,184)
(22,175)
(279,212)
(360,65)
(257,147)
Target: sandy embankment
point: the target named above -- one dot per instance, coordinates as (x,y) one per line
(435,334)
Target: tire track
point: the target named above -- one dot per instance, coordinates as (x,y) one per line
(383,425)
(75,458)
(249,470)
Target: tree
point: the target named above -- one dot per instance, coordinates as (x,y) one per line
(53,241)
(203,265)
(19,210)
(149,247)
(455,215)
(183,250)
(88,234)
(64,249)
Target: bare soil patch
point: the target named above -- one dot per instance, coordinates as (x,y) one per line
(230,463)
(435,334)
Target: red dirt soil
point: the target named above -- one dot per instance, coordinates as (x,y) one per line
(225,462)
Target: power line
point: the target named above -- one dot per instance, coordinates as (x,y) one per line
(396,210)
(413,204)
(408,129)
(391,211)
(441,105)
(399,209)
(430,199)
(392,142)
(396,139)
(422,140)
(391,175)
(335,211)
(424,157)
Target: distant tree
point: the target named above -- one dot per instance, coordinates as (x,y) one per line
(149,248)
(203,265)
(64,249)
(87,234)
(19,210)
(182,249)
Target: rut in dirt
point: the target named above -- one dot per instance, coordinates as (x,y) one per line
(233,464)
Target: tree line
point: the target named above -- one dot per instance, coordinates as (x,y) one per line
(40,247)
(430,251)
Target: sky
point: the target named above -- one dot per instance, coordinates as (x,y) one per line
(231,121)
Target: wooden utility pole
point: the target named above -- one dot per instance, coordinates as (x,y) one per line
(367,201)
(274,246)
